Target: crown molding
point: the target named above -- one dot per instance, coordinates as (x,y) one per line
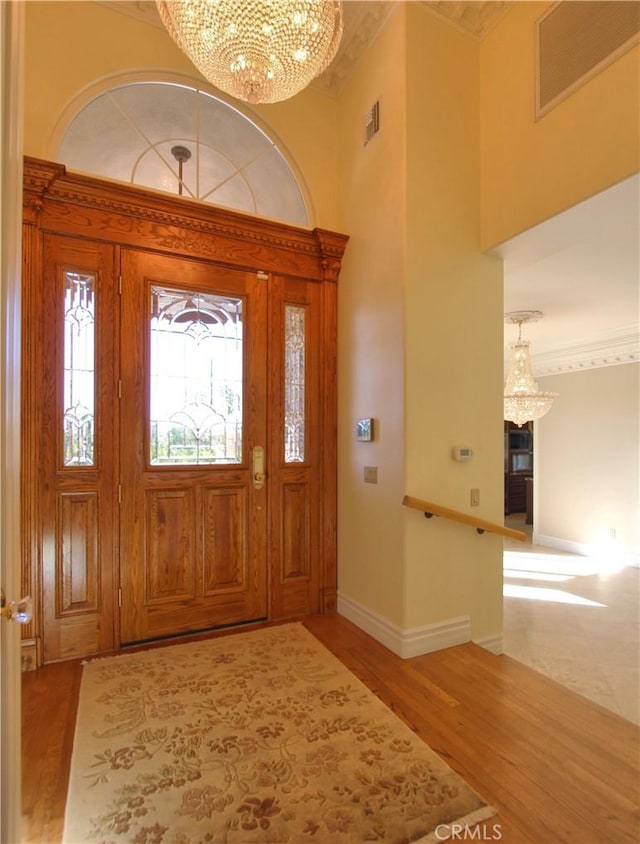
(142,10)
(362,23)
(613,348)
(473,18)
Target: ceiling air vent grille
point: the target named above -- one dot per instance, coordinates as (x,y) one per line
(372,122)
(575,40)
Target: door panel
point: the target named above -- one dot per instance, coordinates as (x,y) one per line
(193,407)
(78,569)
(77,317)
(225,546)
(169,561)
(295,464)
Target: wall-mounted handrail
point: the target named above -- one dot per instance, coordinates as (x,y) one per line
(481,525)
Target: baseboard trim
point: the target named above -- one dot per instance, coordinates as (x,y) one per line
(561,544)
(494,643)
(581,548)
(412,641)
(29,654)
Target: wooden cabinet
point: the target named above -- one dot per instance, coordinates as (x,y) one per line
(518,466)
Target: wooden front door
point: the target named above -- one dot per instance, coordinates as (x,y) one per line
(179,415)
(193,546)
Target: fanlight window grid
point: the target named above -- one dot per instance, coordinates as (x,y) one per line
(128,133)
(294,383)
(79,369)
(196,374)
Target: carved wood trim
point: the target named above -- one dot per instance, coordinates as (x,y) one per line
(85,206)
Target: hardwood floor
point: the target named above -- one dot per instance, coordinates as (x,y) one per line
(557,767)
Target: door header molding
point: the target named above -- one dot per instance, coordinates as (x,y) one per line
(61,201)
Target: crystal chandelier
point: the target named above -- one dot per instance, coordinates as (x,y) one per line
(259,51)
(523,402)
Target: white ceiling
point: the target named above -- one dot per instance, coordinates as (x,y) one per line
(582,270)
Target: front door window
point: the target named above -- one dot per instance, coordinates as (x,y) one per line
(196,373)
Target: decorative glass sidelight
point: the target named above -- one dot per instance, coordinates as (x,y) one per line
(79,369)
(294,383)
(196,375)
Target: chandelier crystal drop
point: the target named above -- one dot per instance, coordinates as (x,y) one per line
(523,402)
(259,51)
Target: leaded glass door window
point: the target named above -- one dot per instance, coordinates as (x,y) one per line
(196,375)
(79,368)
(294,383)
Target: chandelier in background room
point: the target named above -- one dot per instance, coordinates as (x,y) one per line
(523,402)
(259,51)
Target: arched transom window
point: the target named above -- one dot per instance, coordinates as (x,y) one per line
(182,140)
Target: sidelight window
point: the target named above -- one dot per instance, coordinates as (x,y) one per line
(79,369)
(294,383)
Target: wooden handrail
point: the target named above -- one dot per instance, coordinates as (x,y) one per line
(430,509)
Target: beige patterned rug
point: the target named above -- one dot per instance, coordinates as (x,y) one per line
(257,736)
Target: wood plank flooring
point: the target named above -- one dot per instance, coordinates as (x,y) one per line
(557,767)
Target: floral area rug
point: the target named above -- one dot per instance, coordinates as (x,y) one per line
(258,736)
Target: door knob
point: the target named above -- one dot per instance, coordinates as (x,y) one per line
(20,611)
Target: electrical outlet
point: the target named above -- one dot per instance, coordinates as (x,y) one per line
(371,474)
(475,497)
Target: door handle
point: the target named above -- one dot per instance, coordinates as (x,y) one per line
(258,467)
(20,611)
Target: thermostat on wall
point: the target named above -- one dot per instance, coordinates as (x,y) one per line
(462,452)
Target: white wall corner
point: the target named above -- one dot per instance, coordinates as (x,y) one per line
(412,641)
(493,643)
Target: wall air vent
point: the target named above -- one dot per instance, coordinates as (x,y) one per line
(575,40)
(372,122)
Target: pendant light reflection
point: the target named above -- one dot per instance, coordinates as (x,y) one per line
(259,51)
(523,402)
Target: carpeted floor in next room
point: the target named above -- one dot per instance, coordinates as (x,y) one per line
(574,619)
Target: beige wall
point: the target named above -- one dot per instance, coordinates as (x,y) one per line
(532,170)
(453,336)
(371,333)
(75,50)
(420,334)
(588,461)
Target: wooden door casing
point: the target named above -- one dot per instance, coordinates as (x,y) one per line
(296,266)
